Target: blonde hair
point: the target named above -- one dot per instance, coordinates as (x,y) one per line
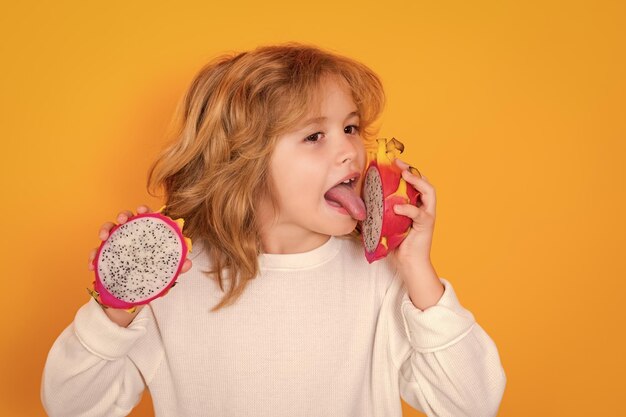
(214,168)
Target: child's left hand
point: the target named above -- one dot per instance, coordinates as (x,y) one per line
(417,244)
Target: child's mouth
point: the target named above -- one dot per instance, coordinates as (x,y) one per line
(344,196)
(338,206)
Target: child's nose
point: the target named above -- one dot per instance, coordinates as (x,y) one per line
(348,149)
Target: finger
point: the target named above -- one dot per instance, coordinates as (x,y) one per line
(186,266)
(92,254)
(415,171)
(401,163)
(104,230)
(420,183)
(143,209)
(123,216)
(404,166)
(427,196)
(418,201)
(408,210)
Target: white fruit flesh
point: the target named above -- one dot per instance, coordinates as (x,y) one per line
(140,259)
(373,223)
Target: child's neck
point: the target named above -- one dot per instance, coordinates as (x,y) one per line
(289,242)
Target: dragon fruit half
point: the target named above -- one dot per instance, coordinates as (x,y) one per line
(383,230)
(139,261)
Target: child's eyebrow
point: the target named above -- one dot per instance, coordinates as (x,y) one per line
(319,119)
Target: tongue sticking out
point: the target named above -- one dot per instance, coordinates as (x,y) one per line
(347,197)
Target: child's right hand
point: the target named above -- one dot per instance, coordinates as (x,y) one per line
(120,316)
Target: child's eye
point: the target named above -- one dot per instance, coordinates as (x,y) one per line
(356,128)
(312,138)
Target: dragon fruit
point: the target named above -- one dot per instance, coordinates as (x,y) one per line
(383,187)
(139,261)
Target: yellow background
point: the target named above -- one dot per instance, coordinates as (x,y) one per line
(515,111)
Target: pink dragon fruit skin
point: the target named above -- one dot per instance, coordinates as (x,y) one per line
(383,187)
(169,229)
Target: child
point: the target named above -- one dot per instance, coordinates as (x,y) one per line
(280,313)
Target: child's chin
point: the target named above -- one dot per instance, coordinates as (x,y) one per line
(349,224)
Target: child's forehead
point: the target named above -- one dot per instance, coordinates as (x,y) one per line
(329,81)
(320,91)
(320,118)
(308,108)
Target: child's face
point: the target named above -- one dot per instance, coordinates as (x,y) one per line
(310,160)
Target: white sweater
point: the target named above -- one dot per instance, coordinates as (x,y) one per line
(319,333)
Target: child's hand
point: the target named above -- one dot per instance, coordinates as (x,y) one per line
(120,316)
(416,246)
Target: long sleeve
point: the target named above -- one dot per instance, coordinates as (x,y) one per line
(453,367)
(440,361)
(89,371)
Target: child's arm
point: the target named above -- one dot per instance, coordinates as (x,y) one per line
(90,369)
(446,363)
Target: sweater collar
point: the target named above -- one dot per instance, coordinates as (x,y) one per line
(301,260)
